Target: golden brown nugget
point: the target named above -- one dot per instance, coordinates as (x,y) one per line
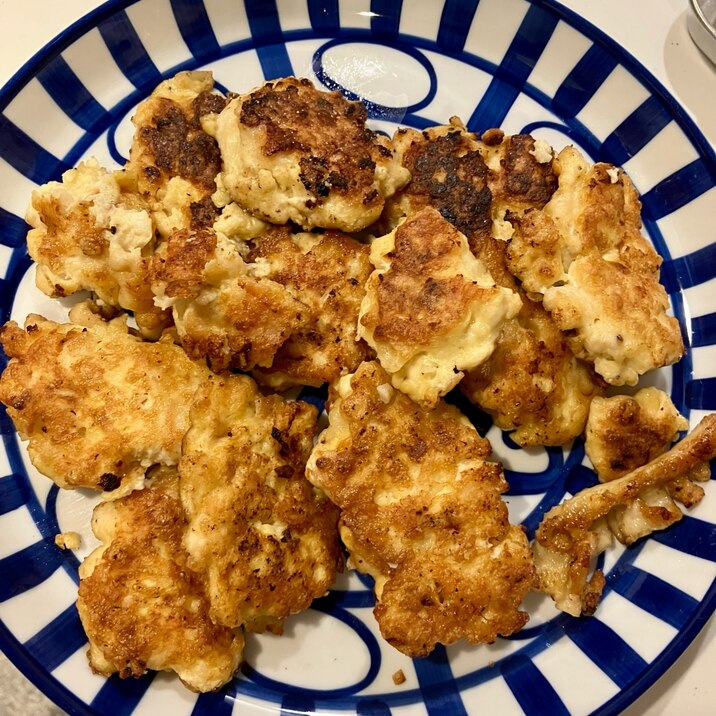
(573,533)
(474,182)
(585,258)
(431,309)
(172,160)
(327,273)
(140,604)
(263,537)
(98,405)
(224,313)
(90,232)
(625,432)
(294,153)
(421,513)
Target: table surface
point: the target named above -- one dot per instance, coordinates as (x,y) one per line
(652,30)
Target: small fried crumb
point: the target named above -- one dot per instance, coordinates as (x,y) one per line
(68,540)
(399,677)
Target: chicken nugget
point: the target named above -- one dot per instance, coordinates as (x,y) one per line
(98,405)
(431,309)
(140,604)
(263,537)
(294,153)
(421,513)
(583,255)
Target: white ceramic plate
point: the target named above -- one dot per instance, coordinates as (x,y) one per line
(525,66)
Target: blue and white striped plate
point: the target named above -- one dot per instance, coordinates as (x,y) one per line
(528,66)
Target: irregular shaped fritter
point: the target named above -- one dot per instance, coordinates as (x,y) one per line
(533,383)
(91,233)
(585,257)
(292,152)
(421,512)
(174,162)
(265,539)
(473,182)
(629,507)
(625,432)
(140,604)
(326,272)
(98,405)
(431,309)
(222,312)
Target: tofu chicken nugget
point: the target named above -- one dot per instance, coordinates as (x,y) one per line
(583,255)
(294,153)
(173,161)
(265,539)
(421,513)
(431,309)
(140,604)
(98,405)
(574,532)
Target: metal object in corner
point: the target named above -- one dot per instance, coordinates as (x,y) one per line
(701,21)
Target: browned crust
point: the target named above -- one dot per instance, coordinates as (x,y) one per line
(413,304)
(340,152)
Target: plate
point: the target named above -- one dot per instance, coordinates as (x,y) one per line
(525,66)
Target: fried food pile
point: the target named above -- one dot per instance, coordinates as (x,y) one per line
(260,242)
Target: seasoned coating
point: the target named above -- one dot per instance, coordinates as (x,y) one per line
(293,153)
(625,432)
(573,533)
(223,313)
(533,384)
(421,512)
(98,405)
(91,233)
(172,160)
(140,604)
(266,541)
(473,182)
(327,273)
(431,309)
(585,257)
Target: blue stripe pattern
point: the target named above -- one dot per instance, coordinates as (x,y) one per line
(71,96)
(437,685)
(701,394)
(372,707)
(13,229)
(692,536)
(582,82)
(27,568)
(655,596)
(607,650)
(385,21)
(635,132)
(58,640)
(120,697)
(703,330)
(455,23)
(677,190)
(690,270)
(530,687)
(195,28)
(293,704)
(128,51)
(324,16)
(218,703)
(14,493)
(26,155)
(525,49)
(266,32)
